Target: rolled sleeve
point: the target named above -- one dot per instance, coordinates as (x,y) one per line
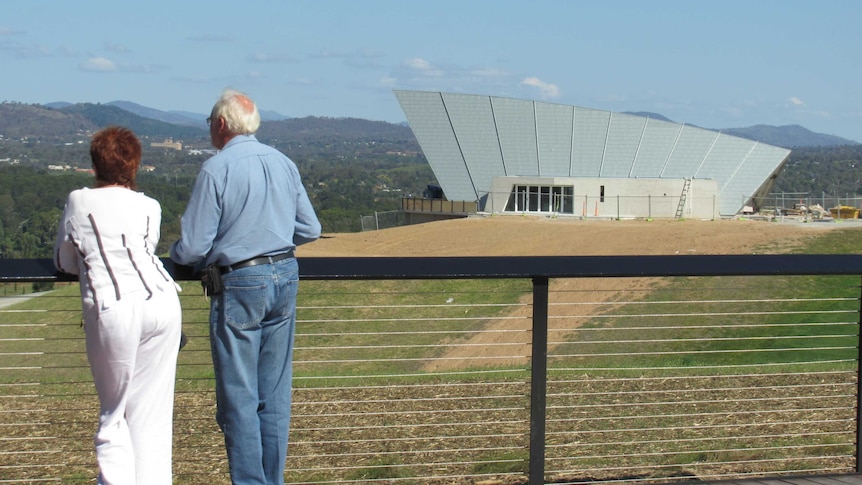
(199,223)
(65,253)
(307,228)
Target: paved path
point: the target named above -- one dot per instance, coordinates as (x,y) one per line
(9,300)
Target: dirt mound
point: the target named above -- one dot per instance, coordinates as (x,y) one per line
(541,236)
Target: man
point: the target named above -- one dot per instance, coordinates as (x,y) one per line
(247,213)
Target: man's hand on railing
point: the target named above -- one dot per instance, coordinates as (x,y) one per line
(179,271)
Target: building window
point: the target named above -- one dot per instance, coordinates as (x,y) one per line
(545,199)
(542,199)
(601,193)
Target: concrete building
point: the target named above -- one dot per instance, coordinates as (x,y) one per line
(522,156)
(168,143)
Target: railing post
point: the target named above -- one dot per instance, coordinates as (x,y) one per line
(538,381)
(859,390)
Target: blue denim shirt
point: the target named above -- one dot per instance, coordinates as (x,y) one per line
(248,200)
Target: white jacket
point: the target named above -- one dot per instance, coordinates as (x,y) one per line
(108,237)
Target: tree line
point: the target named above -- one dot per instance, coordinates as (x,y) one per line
(834,171)
(32,199)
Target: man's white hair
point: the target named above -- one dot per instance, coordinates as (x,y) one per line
(239,112)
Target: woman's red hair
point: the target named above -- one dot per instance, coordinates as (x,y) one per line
(116,155)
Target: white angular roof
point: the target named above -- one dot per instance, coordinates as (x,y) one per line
(470,139)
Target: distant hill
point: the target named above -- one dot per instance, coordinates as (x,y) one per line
(166,116)
(266,115)
(788,136)
(66,121)
(33,121)
(336,130)
(647,114)
(183,118)
(104,115)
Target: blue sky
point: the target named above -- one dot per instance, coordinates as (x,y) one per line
(716,64)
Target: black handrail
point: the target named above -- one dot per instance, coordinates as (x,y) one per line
(377,268)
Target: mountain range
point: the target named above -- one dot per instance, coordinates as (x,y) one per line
(63,119)
(787,136)
(182,118)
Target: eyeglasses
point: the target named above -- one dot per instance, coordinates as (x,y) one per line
(209,120)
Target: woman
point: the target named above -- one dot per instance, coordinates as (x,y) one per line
(132,316)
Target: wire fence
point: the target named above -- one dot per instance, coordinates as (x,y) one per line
(705,378)
(381,220)
(791,200)
(407,381)
(659,205)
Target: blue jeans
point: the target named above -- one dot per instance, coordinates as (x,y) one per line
(252,325)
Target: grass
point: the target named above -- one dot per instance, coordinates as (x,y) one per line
(345,321)
(725,321)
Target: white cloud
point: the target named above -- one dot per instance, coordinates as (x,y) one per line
(98,64)
(102,64)
(419,73)
(796,101)
(546,90)
(418,63)
(423,67)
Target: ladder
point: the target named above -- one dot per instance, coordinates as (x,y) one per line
(681,207)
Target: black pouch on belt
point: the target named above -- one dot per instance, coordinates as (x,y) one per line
(211,280)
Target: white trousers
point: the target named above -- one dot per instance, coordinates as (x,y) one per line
(132,346)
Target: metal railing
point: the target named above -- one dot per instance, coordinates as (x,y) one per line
(419,204)
(498,369)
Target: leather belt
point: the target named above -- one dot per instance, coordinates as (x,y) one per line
(256,261)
